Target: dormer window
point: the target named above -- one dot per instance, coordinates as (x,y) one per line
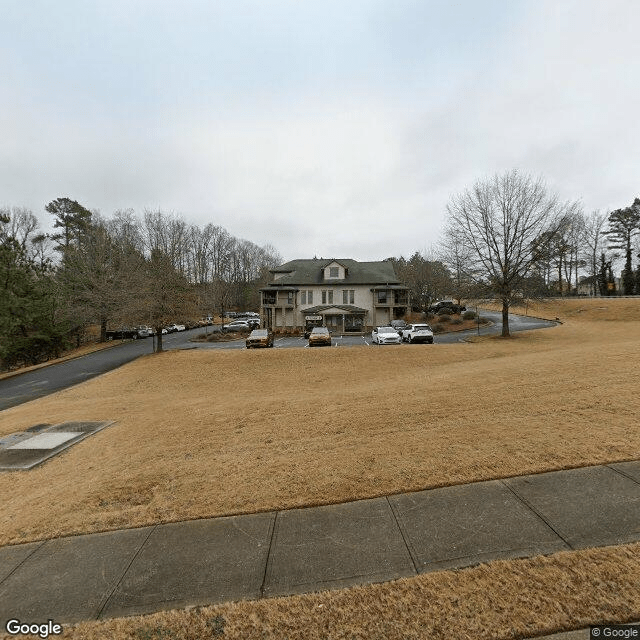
(334,271)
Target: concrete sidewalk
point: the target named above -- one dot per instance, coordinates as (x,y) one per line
(136,571)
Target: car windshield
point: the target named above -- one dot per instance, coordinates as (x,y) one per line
(259,332)
(386,330)
(320,330)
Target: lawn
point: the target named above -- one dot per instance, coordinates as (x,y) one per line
(206,433)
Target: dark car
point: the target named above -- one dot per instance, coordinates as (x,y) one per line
(260,338)
(446,306)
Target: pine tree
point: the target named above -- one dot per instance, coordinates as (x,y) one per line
(623,225)
(72,218)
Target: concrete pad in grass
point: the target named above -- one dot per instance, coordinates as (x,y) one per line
(468,524)
(591,506)
(335,546)
(69,579)
(630,469)
(196,562)
(11,557)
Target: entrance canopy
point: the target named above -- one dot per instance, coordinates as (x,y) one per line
(345,309)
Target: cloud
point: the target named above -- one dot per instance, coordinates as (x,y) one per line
(325,129)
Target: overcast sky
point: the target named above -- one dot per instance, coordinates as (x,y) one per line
(327,128)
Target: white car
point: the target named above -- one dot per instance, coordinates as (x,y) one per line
(385,335)
(238,325)
(417,333)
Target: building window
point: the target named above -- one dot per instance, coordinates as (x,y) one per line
(310,297)
(269,298)
(334,272)
(289,297)
(327,296)
(303,297)
(348,296)
(382,297)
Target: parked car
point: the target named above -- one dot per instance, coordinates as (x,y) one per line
(310,322)
(417,333)
(385,335)
(237,325)
(319,336)
(260,338)
(172,328)
(446,306)
(144,332)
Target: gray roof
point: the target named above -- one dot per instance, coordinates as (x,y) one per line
(309,271)
(345,307)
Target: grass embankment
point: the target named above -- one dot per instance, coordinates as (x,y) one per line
(199,432)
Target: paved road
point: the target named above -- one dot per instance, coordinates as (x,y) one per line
(42,382)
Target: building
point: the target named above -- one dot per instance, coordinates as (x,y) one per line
(349,296)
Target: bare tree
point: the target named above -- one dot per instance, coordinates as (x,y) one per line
(21,225)
(457,254)
(165,294)
(592,237)
(500,219)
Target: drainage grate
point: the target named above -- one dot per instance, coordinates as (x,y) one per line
(27,449)
(44,441)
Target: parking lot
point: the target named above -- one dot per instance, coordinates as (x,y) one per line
(286,342)
(517,323)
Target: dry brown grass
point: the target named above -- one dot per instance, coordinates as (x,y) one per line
(206,433)
(501,600)
(609,309)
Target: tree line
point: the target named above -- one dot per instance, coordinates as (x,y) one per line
(128,269)
(510,238)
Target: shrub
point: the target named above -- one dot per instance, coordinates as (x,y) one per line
(438,328)
(456,320)
(444,317)
(469,315)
